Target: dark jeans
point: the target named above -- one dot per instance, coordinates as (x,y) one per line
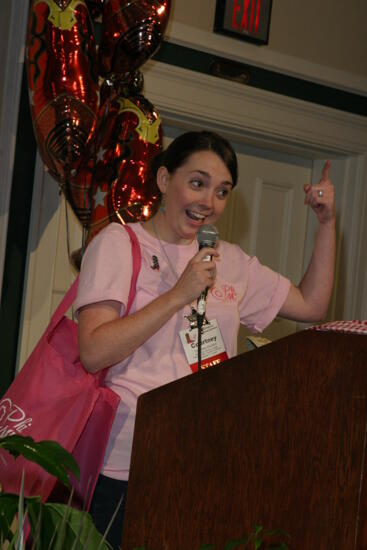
(105,501)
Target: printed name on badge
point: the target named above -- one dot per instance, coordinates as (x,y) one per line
(212,347)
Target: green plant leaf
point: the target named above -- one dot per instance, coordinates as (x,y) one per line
(48,454)
(66,527)
(22,514)
(8,510)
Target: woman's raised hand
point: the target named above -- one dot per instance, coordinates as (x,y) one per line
(321,196)
(309,300)
(198,275)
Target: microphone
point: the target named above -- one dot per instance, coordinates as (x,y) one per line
(207,236)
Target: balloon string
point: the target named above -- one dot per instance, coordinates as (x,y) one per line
(68,241)
(84,238)
(114,206)
(67,228)
(122,221)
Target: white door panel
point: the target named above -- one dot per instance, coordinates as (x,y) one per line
(267,217)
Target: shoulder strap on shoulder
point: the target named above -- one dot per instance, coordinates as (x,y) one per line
(71,294)
(136,256)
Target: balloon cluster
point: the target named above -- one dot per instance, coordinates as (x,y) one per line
(95,131)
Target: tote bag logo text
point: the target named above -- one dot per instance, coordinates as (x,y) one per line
(12,418)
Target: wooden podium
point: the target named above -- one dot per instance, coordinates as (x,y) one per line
(274,437)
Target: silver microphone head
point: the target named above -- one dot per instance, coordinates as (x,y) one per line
(207,236)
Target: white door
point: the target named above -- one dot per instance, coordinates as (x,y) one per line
(49,272)
(265,216)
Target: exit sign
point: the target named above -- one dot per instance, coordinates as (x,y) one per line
(244,19)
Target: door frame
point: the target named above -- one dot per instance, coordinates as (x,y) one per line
(17,10)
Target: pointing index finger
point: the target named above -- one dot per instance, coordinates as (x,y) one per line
(325,171)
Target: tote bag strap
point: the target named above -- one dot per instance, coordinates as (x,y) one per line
(136,257)
(64,305)
(71,293)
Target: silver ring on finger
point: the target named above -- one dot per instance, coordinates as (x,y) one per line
(320,193)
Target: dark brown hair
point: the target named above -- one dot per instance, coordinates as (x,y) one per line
(186,144)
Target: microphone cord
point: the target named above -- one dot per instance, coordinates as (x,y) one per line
(200,320)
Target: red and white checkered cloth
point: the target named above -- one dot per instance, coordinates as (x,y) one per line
(355,326)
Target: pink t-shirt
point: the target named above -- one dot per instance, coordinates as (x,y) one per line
(244,291)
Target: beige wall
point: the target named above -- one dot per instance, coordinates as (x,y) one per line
(326,32)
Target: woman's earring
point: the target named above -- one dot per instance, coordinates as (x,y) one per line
(162,206)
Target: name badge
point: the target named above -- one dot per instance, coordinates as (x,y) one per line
(212,347)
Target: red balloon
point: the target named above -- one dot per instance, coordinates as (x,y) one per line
(95,7)
(130,84)
(131,32)
(123,189)
(77,191)
(63,83)
(78,188)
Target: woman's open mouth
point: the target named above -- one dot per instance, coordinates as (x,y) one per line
(195,216)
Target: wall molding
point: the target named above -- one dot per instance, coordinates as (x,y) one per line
(265,58)
(286,122)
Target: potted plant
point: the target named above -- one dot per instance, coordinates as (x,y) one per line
(45,524)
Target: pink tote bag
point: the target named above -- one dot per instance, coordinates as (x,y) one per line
(55,398)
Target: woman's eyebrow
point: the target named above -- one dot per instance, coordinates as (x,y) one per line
(202,172)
